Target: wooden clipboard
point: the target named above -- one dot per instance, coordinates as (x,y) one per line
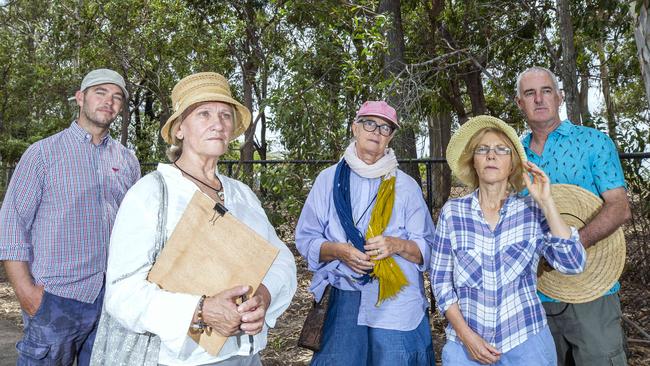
(210,251)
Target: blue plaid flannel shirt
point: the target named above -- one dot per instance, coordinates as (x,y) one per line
(492,275)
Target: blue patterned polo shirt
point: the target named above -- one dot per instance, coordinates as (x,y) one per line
(582,156)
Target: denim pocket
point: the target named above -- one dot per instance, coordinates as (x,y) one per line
(618,358)
(31,349)
(41,306)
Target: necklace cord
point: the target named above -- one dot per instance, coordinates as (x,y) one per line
(219,191)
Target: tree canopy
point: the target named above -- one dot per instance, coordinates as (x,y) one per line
(303,67)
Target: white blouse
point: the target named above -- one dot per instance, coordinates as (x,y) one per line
(142,306)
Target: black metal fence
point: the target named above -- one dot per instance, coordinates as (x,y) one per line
(427,187)
(283,198)
(230,165)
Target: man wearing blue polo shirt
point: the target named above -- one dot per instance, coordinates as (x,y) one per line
(588,333)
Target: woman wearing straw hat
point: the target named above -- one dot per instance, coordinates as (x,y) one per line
(488,245)
(205,119)
(365,231)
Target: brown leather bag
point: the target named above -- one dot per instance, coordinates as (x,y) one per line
(312,330)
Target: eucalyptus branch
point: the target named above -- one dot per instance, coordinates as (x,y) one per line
(554,53)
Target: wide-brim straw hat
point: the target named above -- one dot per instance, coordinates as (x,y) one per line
(465,133)
(605,259)
(204,87)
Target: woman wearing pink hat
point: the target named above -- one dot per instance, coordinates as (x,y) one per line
(365,232)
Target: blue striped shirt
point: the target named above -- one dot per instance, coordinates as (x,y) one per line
(60,207)
(492,275)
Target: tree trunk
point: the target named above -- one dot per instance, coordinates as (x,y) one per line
(604,82)
(80,34)
(404,142)
(439,123)
(5,100)
(248,148)
(568,67)
(250,72)
(639,12)
(165,112)
(126,115)
(260,94)
(439,134)
(475,90)
(126,118)
(472,78)
(394,58)
(584,99)
(137,116)
(453,97)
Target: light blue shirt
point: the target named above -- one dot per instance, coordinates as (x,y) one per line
(581,156)
(410,220)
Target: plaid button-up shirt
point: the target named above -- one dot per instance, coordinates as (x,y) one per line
(59,209)
(492,275)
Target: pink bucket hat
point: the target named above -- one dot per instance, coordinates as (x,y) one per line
(378,109)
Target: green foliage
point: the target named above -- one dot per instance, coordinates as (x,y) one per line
(285,188)
(11,149)
(312,64)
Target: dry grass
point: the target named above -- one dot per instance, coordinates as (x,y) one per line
(9,307)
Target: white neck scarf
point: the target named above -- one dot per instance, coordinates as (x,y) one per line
(385,166)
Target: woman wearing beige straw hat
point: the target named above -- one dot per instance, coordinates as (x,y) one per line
(151,325)
(488,245)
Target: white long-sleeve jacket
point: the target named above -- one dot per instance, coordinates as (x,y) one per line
(142,306)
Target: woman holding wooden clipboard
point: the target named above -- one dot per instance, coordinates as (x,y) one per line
(157,325)
(365,232)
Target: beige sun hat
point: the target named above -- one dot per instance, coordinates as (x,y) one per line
(204,87)
(605,259)
(465,133)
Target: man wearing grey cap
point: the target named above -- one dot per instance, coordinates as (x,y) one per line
(55,224)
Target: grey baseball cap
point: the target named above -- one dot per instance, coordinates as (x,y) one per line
(104,76)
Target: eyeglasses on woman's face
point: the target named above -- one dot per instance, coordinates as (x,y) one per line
(499,150)
(370,126)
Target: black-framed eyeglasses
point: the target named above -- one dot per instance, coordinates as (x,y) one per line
(499,150)
(370,126)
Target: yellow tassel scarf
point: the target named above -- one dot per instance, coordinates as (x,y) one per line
(386,271)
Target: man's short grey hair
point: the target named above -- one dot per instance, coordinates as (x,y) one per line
(548,72)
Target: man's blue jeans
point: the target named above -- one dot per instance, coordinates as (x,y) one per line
(61,331)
